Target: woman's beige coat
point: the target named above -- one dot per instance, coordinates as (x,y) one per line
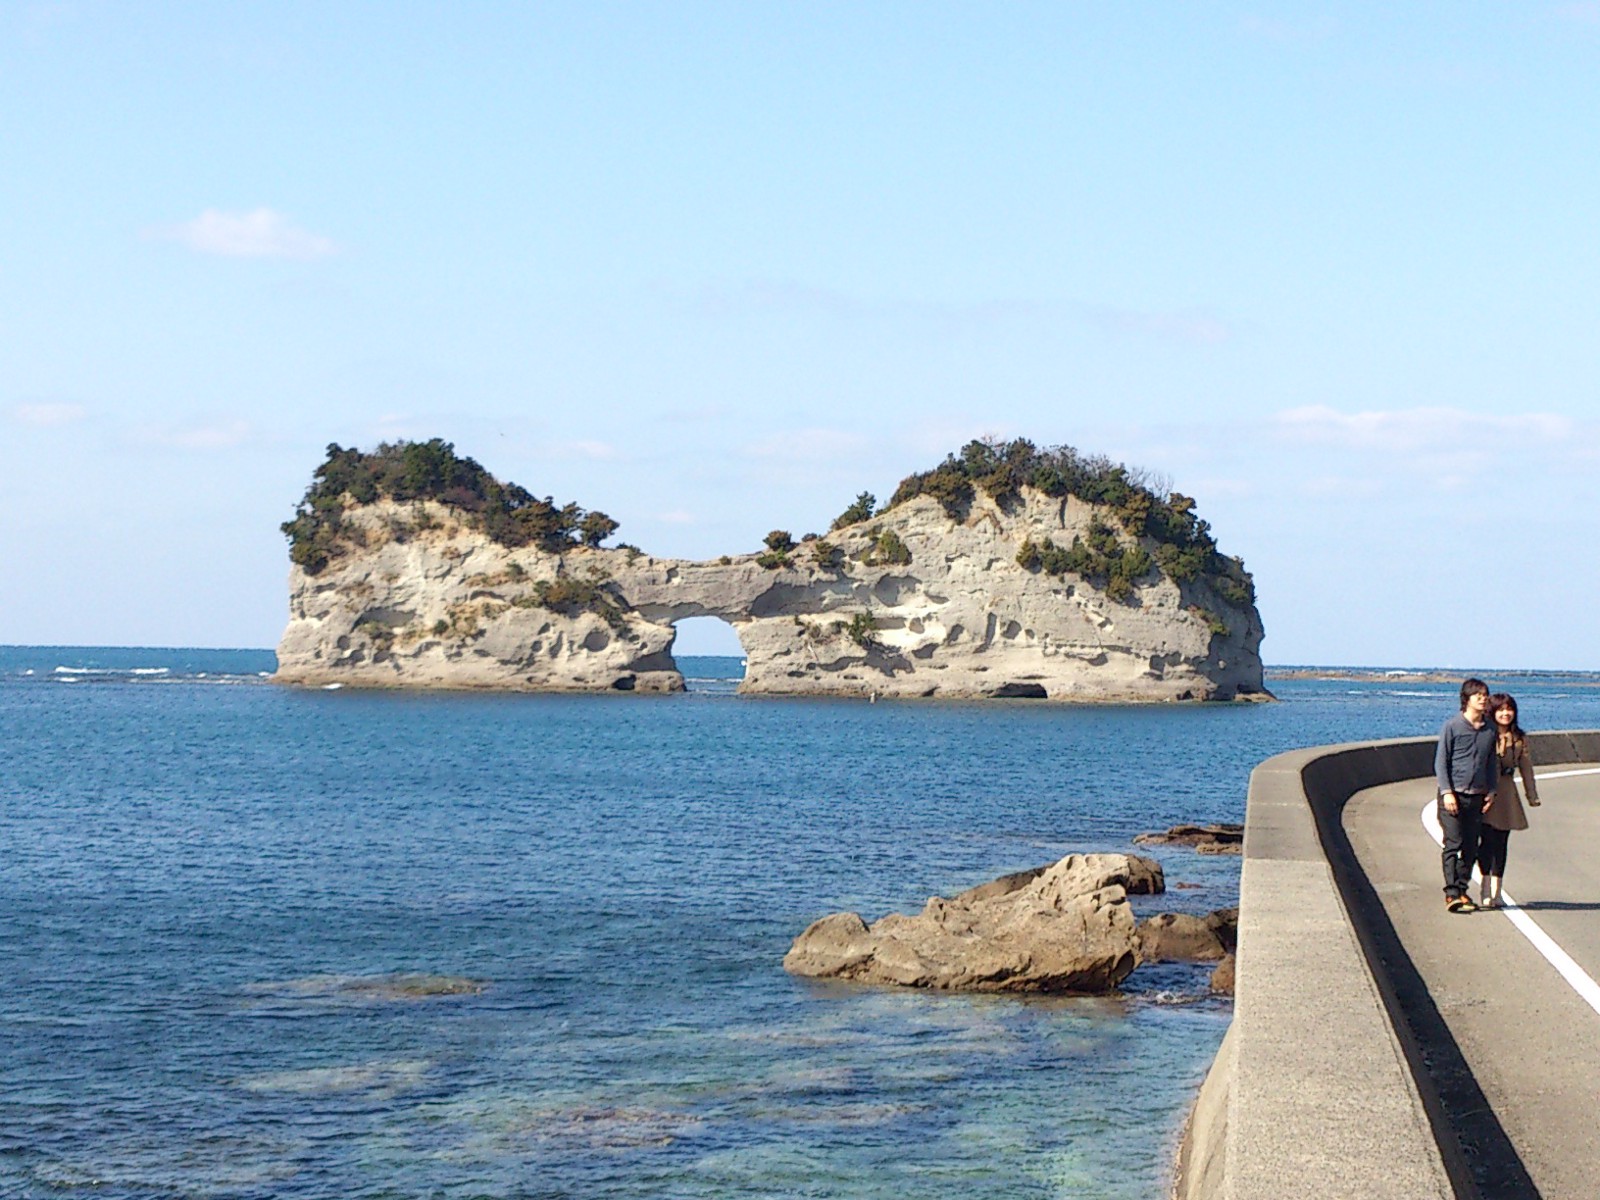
(1506,812)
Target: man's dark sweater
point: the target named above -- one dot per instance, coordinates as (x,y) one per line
(1465,760)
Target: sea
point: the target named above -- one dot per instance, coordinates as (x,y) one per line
(271,942)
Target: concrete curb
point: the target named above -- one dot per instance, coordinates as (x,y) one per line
(1333,1078)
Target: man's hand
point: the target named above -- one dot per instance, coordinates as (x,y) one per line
(1449,801)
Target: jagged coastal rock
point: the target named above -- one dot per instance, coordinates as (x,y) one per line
(992,576)
(1067,927)
(1184,937)
(1204,839)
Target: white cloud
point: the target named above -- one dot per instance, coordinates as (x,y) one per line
(932,440)
(1288,32)
(942,319)
(1340,487)
(1422,430)
(564,451)
(261,233)
(1191,327)
(694,416)
(48,413)
(1224,489)
(676,517)
(775,295)
(1584,13)
(808,445)
(225,435)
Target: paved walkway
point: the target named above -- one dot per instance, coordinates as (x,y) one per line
(1529,1037)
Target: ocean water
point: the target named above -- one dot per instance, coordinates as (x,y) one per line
(262,942)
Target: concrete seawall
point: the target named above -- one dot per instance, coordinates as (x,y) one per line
(1330,1079)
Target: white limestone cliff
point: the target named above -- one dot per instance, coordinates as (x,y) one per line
(420,600)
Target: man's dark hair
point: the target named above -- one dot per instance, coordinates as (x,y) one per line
(1472,687)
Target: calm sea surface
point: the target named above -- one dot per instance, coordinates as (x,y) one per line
(208,884)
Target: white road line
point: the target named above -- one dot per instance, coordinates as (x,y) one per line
(1588,990)
(1565,774)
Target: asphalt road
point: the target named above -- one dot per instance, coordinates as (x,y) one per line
(1530,1039)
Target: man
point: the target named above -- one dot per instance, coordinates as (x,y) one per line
(1467,770)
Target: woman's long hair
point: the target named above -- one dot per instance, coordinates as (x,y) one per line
(1505,700)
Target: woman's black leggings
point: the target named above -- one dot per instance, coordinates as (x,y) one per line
(1492,845)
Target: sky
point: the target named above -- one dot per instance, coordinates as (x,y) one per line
(714,269)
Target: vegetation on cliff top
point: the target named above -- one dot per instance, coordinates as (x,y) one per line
(1183,547)
(414,471)
(1152,530)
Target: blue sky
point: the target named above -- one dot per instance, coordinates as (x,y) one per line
(716,268)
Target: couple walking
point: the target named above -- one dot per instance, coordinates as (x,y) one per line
(1481,751)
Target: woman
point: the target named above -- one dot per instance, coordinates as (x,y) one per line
(1504,813)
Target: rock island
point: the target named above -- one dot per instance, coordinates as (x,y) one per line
(1005,572)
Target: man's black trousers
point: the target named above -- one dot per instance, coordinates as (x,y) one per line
(1461,829)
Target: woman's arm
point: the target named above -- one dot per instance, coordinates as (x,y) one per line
(1525,766)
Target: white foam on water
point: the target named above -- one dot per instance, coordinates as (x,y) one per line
(332,687)
(140,671)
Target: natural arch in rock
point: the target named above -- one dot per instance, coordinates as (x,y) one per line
(959,609)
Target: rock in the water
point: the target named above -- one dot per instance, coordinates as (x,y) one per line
(1138,876)
(1224,922)
(1206,839)
(399,986)
(1065,928)
(1222,977)
(917,600)
(1182,937)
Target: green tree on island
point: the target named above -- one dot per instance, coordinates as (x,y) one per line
(407,472)
(861,510)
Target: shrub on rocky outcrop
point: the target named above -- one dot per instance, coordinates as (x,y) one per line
(779,545)
(861,510)
(886,549)
(860,629)
(429,471)
(1104,559)
(825,554)
(1181,543)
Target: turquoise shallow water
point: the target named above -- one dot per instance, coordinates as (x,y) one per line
(201,874)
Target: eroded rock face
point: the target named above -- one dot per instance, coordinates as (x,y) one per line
(1065,928)
(429,603)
